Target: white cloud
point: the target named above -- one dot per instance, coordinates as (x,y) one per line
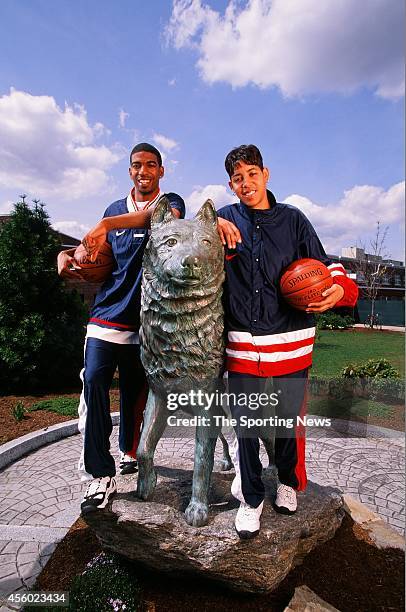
(172,82)
(165,143)
(71,228)
(218,193)
(355,215)
(122,117)
(6,207)
(302,47)
(52,152)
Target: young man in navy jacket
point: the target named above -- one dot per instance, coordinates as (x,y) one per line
(266,337)
(112,333)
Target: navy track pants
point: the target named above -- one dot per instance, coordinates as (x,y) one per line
(101,360)
(289,443)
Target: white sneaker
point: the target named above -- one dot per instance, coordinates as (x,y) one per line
(247,521)
(286,502)
(98,494)
(128,465)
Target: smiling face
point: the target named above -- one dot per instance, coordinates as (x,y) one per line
(248,182)
(145,172)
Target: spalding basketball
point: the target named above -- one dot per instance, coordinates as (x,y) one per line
(304,281)
(95,271)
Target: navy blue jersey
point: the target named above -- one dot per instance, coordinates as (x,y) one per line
(117,303)
(271,240)
(266,336)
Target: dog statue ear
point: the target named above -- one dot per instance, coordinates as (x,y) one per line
(162,213)
(207,213)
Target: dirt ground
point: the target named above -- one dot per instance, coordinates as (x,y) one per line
(346,572)
(32,421)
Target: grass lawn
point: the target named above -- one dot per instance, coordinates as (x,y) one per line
(360,407)
(336,349)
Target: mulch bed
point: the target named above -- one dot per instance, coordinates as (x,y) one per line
(39,419)
(346,572)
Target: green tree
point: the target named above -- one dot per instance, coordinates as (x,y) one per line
(41,323)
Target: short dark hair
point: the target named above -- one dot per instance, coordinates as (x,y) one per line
(145,146)
(249,154)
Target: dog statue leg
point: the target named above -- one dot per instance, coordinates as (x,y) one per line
(197,512)
(152,430)
(225,463)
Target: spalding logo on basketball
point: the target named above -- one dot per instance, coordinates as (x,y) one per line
(304,281)
(95,271)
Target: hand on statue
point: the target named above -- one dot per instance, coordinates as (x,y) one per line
(94,240)
(331,297)
(228,232)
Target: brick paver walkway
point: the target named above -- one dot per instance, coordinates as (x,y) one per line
(40,494)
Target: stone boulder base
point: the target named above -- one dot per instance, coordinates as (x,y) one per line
(305,600)
(156,534)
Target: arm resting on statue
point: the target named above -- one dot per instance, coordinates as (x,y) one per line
(98,234)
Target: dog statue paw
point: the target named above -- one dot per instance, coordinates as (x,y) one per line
(197,514)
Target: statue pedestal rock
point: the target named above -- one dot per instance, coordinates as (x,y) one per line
(156,534)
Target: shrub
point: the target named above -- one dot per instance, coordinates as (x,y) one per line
(18,411)
(108,584)
(373,368)
(66,406)
(41,323)
(331,320)
(377,379)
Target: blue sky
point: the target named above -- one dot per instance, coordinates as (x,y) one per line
(317,86)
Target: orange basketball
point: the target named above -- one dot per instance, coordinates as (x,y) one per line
(303,282)
(95,271)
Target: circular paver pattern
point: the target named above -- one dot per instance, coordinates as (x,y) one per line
(40,494)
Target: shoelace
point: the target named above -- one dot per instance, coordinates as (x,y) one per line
(93,488)
(246,509)
(288,492)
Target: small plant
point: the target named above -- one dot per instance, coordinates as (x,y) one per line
(66,406)
(377,380)
(387,389)
(373,368)
(331,320)
(18,411)
(108,584)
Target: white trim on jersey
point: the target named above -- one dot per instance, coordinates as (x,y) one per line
(336,269)
(118,336)
(134,206)
(270,357)
(283,338)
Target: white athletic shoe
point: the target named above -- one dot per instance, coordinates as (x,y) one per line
(286,502)
(128,465)
(98,494)
(247,521)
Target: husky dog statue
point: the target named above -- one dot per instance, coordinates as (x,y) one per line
(182,344)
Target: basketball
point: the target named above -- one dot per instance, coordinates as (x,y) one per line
(303,282)
(95,271)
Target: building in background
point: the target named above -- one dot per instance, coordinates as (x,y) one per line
(390,299)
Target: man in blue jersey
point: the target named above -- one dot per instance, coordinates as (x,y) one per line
(112,333)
